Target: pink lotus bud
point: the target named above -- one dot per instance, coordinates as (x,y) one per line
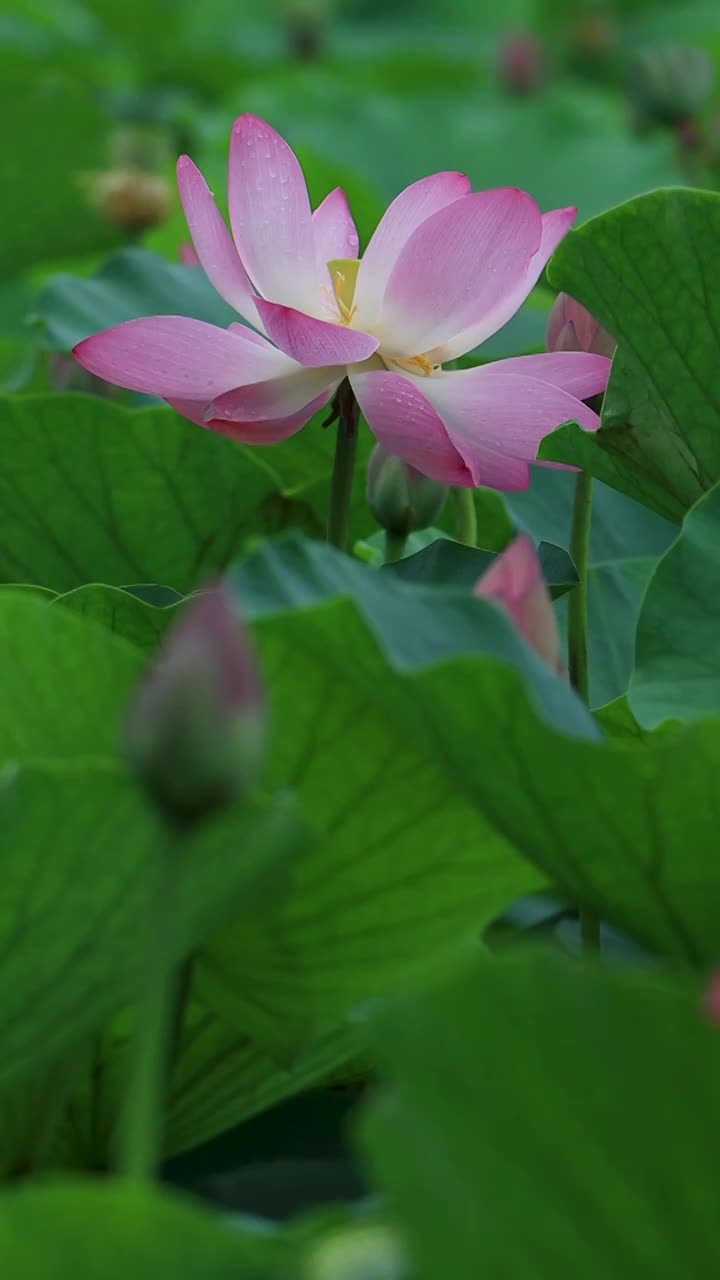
(570,327)
(515,581)
(711,999)
(401,498)
(187,255)
(196,726)
(521,64)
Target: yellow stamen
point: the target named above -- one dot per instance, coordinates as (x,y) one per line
(343,275)
(413,364)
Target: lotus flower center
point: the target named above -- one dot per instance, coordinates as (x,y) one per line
(343,277)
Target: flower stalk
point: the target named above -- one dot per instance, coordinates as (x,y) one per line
(465,516)
(578,645)
(142,1135)
(395,544)
(346,413)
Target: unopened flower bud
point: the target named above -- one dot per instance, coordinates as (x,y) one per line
(570,327)
(401,499)
(515,582)
(187,255)
(130,198)
(711,999)
(196,726)
(521,64)
(668,85)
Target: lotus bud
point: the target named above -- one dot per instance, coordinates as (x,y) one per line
(521,64)
(401,499)
(195,729)
(515,582)
(571,327)
(130,198)
(711,999)
(187,255)
(669,84)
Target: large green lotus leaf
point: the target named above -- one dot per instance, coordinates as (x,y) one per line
(649,272)
(79,840)
(221,1078)
(110,1230)
(615,591)
(415,625)
(401,876)
(677,673)
(64,683)
(140,622)
(619,527)
(131,284)
(625,541)
(628,826)
(570,1129)
(59,136)
(92,492)
(78,858)
(445,563)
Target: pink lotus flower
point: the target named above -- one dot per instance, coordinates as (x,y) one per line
(515,582)
(445,268)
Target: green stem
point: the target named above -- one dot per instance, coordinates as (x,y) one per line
(346,411)
(141,1137)
(577,599)
(578,646)
(395,544)
(465,517)
(589,930)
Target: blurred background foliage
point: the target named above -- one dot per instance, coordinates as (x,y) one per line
(551,95)
(584,102)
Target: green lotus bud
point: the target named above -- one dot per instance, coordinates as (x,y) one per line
(401,498)
(669,84)
(196,727)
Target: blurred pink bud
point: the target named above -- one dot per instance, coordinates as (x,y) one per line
(711,999)
(570,327)
(515,581)
(521,64)
(196,726)
(187,255)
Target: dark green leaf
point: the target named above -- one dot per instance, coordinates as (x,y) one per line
(78,857)
(678,657)
(131,284)
(446,563)
(92,492)
(79,840)
(649,272)
(109,1231)
(141,623)
(412,624)
(569,1130)
(627,827)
